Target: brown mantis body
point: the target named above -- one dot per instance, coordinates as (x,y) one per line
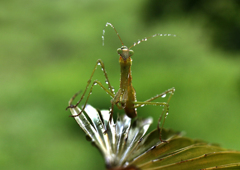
(125,98)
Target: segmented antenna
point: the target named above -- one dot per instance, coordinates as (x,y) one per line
(136,43)
(145,39)
(109,24)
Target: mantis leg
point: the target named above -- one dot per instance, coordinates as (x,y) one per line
(165,109)
(169,91)
(110,91)
(95,82)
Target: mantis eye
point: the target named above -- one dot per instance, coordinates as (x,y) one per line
(119,51)
(131,52)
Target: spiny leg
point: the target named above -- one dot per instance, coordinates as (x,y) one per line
(110,118)
(96,82)
(99,62)
(114,102)
(169,91)
(71,100)
(165,109)
(163,114)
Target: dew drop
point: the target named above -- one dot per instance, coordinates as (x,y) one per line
(163,96)
(94,84)
(142,105)
(103,37)
(108,23)
(99,64)
(106,81)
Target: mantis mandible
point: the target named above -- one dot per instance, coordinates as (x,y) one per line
(125,97)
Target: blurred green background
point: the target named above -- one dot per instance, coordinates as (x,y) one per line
(48,50)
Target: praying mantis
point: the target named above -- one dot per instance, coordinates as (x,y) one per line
(125,97)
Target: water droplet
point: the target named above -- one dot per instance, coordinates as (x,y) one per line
(167,113)
(154,35)
(142,105)
(169,35)
(163,96)
(164,34)
(109,24)
(106,81)
(102,41)
(94,83)
(138,42)
(99,64)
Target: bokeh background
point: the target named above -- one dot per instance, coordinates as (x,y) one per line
(48,50)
